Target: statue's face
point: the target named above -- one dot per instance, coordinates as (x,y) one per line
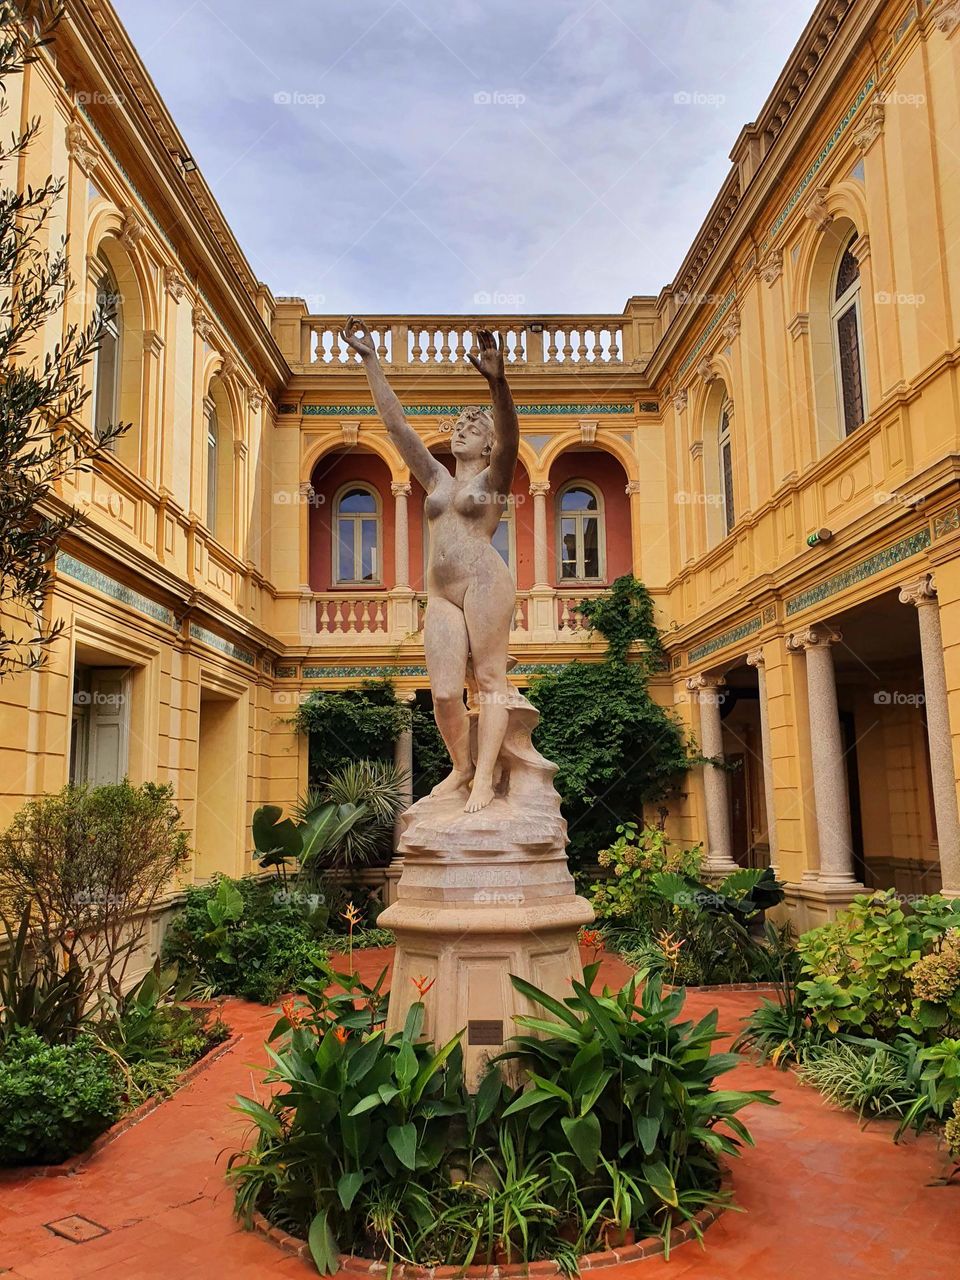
(472,436)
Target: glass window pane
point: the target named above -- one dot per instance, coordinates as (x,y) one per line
(358,501)
(105,394)
(591,547)
(851,378)
(368,549)
(568,548)
(345,551)
(726,464)
(501,539)
(847,273)
(578,500)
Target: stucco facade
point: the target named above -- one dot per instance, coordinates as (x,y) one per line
(771,444)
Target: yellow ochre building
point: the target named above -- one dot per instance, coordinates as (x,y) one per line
(772,444)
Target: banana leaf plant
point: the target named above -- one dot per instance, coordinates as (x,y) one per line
(308,840)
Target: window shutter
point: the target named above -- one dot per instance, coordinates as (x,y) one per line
(109,725)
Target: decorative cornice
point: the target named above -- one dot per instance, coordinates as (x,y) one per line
(816,209)
(204,327)
(174,283)
(80,149)
(771,268)
(946,17)
(544,410)
(741,631)
(133,229)
(866,133)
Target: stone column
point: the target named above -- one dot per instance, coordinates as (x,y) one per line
(922,594)
(708,692)
(541,550)
(633,491)
(403,601)
(828,759)
(401,533)
(755,660)
(542,608)
(403,759)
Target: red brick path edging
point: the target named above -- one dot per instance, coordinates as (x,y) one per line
(70,1166)
(651,1247)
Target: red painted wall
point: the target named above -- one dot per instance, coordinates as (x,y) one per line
(605,473)
(331,473)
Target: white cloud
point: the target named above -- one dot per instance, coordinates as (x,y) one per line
(573,181)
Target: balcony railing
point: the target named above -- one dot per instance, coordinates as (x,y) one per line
(422,342)
(377,617)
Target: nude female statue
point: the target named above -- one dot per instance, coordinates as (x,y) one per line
(470,591)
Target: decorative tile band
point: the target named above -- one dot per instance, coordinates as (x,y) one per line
(876,563)
(704,338)
(814,169)
(739,632)
(444,410)
(286,673)
(118,591)
(225,646)
(385,673)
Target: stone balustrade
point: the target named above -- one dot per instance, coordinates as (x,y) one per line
(338,617)
(422,342)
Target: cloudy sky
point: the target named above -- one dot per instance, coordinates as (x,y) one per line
(460,155)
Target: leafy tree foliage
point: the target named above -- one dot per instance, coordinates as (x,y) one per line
(615,747)
(41,388)
(351,724)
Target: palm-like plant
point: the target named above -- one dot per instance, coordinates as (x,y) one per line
(375,790)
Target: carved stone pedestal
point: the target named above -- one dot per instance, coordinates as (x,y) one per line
(483,896)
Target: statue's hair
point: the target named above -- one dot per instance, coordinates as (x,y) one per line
(478,413)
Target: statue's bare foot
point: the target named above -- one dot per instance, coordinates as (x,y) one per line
(481,793)
(454,780)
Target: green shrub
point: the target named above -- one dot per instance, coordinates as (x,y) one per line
(54,1099)
(633,859)
(857,970)
(248,937)
(372,1144)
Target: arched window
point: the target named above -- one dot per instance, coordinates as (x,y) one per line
(107,359)
(847,326)
(213,467)
(580,540)
(725,458)
(356,548)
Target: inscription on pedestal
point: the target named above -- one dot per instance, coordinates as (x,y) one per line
(484,1031)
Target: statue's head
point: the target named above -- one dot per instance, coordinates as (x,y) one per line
(473,433)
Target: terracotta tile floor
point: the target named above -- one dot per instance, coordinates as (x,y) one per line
(823,1199)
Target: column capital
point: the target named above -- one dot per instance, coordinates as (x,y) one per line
(539,488)
(401,488)
(755,658)
(919,592)
(707,680)
(633,487)
(818,636)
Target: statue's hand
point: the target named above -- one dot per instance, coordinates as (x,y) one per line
(489,362)
(359,338)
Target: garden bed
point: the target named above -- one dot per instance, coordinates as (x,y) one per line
(66,1168)
(650,1247)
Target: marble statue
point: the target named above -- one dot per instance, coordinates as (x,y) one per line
(470,592)
(485,892)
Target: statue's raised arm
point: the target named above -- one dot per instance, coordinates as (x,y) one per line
(411,448)
(506,429)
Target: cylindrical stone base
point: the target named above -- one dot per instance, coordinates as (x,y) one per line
(466,923)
